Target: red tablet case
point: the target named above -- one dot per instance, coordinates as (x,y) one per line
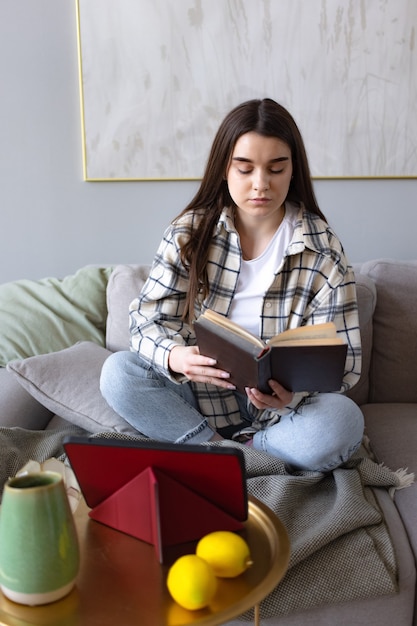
(164,494)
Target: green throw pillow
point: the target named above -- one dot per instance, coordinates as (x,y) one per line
(38,317)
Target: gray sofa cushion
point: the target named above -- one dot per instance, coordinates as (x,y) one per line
(125,284)
(393,373)
(67,383)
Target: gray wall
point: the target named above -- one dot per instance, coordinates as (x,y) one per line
(52,222)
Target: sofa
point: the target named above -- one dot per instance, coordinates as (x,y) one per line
(56,334)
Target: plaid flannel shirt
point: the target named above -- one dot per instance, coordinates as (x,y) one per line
(313,284)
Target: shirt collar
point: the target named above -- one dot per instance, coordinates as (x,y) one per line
(310,231)
(226,220)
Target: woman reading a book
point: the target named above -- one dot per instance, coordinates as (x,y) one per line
(253,246)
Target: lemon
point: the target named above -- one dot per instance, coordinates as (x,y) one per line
(226,552)
(191,582)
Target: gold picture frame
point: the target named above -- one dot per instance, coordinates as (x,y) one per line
(157,77)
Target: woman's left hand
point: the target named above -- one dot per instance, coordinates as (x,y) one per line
(280,397)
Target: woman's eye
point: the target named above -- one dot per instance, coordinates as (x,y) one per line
(272,171)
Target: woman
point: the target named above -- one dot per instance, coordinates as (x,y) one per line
(252,245)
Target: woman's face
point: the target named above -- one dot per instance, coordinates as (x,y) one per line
(259,174)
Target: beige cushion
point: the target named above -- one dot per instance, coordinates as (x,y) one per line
(393,373)
(125,284)
(67,383)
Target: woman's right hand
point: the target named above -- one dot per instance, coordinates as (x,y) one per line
(188,361)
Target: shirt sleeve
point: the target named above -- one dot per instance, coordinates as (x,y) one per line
(155,315)
(337,302)
(332,297)
(347,324)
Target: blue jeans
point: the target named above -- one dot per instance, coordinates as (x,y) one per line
(318,435)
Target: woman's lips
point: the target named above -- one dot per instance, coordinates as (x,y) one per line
(260,200)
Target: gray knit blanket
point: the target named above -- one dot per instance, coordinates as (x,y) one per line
(340,546)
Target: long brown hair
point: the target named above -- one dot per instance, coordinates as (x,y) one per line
(265,117)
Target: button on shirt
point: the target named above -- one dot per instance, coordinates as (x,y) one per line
(313,284)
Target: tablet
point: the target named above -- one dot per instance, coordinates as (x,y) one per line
(103,466)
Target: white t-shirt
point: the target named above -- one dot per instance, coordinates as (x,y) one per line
(257,275)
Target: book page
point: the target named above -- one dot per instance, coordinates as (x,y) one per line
(318,334)
(290,343)
(224,322)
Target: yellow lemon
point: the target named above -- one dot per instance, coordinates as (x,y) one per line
(226,552)
(191,582)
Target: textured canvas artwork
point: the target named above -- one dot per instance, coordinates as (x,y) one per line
(157,77)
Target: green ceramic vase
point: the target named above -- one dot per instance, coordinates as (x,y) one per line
(39,552)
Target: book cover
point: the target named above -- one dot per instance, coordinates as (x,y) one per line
(313,365)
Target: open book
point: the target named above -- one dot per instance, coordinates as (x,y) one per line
(308,358)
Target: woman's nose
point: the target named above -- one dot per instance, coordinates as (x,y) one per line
(261,182)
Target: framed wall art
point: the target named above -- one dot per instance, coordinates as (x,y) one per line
(158,76)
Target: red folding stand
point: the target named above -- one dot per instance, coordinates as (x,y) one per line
(159,510)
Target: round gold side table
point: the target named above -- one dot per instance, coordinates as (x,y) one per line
(121,581)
